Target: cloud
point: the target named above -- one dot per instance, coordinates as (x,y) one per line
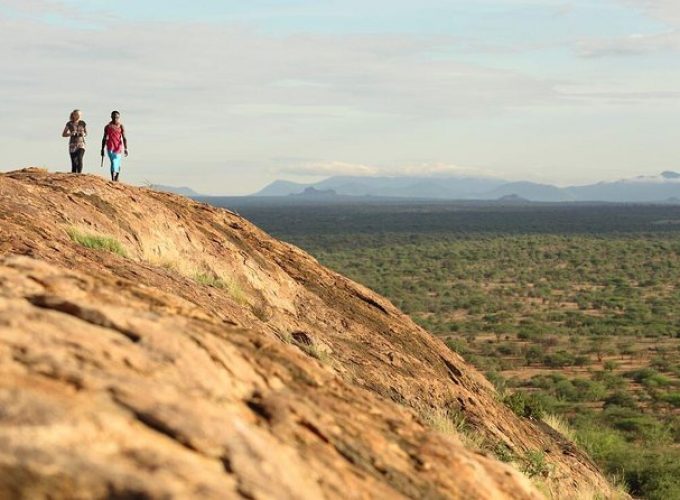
(33,6)
(328,169)
(332,168)
(205,69)
(46,9)
(636,44)
(667,11)
(623,96)
(436,170)
(639,44)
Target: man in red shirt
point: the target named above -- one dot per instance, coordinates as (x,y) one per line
(115,142)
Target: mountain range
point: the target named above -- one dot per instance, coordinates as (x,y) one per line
(183,190)
(662,188)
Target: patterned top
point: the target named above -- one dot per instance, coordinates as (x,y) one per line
(77,141)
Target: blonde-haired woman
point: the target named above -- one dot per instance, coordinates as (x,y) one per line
(76,130)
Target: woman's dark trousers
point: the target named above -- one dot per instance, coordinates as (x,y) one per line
(77,161)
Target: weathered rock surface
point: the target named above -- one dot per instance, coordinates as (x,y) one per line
(129,376)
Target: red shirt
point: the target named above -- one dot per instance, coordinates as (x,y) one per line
(114,137)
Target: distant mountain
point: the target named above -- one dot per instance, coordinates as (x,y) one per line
(641,189)
(184,191)
(313,192)
(281,188)
(530,191)
(411,187)
(512,198)
(402,187)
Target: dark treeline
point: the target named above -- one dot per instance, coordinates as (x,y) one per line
(281,216)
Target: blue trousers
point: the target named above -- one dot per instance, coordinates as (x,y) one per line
(115,161)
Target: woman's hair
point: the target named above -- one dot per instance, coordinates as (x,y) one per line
(74,113)
(114,113)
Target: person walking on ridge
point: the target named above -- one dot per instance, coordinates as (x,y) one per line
(115,142)
(76,130)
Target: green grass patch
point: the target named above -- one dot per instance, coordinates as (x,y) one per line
(214,281)
(96,241)
(534,464)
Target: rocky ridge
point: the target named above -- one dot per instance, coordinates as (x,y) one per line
(201,358)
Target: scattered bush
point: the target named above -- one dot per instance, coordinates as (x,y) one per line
(457,345)
(516,285)
(525,404)
(622,399)
(560,359)
(672,398)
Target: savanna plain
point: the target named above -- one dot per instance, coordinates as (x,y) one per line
(571,310)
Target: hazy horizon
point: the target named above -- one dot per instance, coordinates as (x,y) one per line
(225,97)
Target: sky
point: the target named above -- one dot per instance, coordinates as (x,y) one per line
(227,96)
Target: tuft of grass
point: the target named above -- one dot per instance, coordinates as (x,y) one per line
(214,281)
(621,490)
(211,280)
(237,293)
(444,421)
(618,492)
(559,424)
(535,464)
(96,241)
(307,344)
(314,351)
(503,453)
(452,422)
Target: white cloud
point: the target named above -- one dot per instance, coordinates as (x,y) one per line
(41,9)
(204,70)
(436,170)
(636,44)
(327,169)
(667,11)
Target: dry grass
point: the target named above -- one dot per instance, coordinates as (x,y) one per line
(203,271)
(215,281)
(560,425)
(313,350)
(453,423)
(96,241)
(444,421)
(619,492)
(170,259)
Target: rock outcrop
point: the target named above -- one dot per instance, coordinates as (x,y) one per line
(194,356)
